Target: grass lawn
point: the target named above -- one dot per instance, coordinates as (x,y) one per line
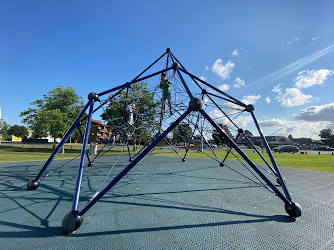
(16,154)
(30,157)
(28,150)
(323,163)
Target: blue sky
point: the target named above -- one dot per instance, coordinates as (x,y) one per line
(275,54)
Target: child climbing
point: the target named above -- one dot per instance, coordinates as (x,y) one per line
(166,94)
(130,109)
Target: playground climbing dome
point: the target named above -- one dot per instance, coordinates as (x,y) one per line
(134,113)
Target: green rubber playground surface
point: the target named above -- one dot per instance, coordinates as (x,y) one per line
(164,203)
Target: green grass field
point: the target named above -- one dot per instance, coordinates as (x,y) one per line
(29,150)
(323,163)
(30,157)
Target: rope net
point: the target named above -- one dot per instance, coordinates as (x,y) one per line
(135,117)
(164,110)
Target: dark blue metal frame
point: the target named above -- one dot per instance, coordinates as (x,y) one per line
(148,147)
(82,160)
(133,163)
(246,158)
(282,182)
(62,142)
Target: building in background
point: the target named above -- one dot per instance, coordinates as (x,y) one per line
(98,132)
(272,140)
(1,121)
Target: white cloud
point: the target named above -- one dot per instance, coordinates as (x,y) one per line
(268,100)
(239,83)
(233,111)
(274,122)
(235,52)
(314,38)
(292,97)
(317,113)
(212,91)
(251,99)
(203,78)
(277,88)
(297,129)
(224,87)
(223,71)
(207,68)
(292,40)
(308,78)
(219,117)
(243,121)
(205,102)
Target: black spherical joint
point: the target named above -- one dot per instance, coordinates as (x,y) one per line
(168,50)
(71,222)
(222,164)
(93,96)
(294,210)
(250,108)
(32,185)
(240,130)
(183,160)
(175,65)
(204,91)
(279,182)
(90,164)
(196,104)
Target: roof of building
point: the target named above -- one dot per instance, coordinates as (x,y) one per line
(303,140)
(272,139)
(98,122)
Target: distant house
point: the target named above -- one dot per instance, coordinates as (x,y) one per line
(165,142)
(306,143)
(198,140)
(98,132)
(272,140)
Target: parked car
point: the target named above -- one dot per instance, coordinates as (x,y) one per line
(286,148)
(324,148)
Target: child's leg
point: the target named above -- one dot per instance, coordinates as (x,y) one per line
(131,119)
(164,104)
(169,105)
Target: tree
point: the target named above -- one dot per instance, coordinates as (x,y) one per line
(328,136)
(4,131)
(54,113)
(248,133)
(218,138)
(182,133)
(117,117)
(19,131)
